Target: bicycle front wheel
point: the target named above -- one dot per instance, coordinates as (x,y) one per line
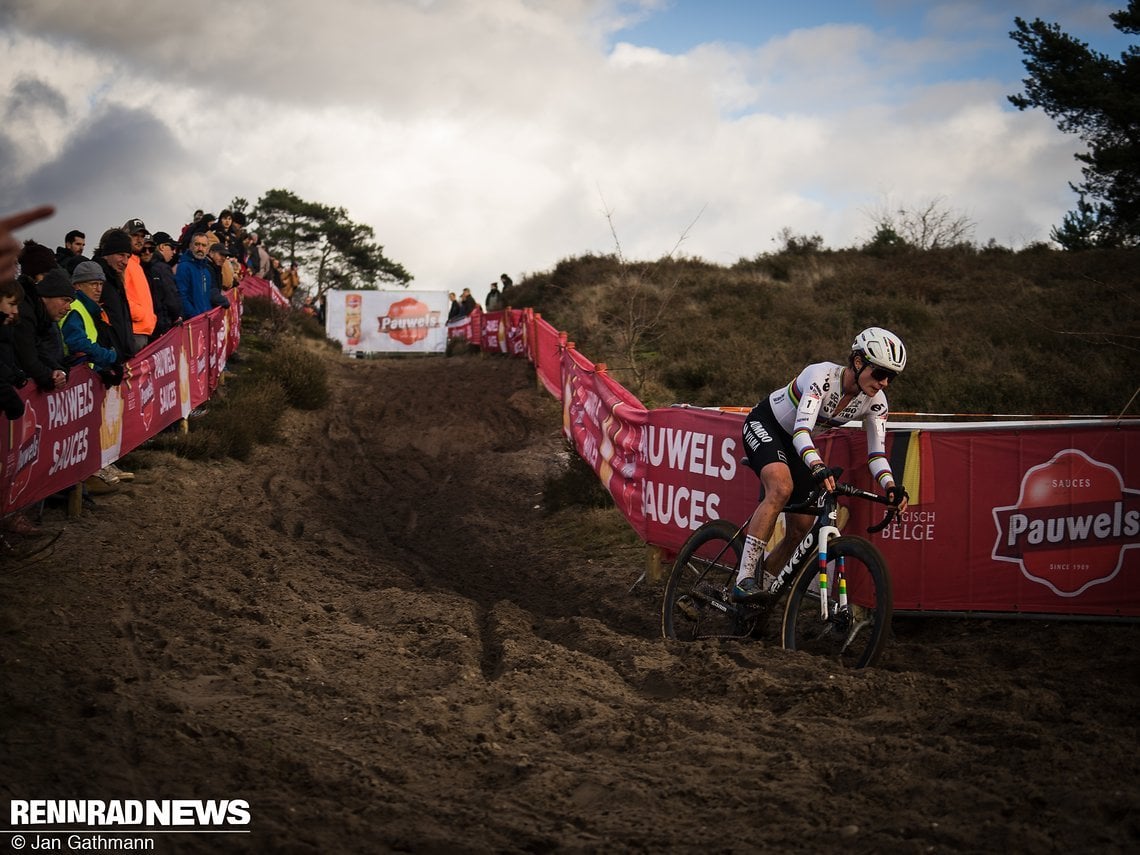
(852,633)
(698,594)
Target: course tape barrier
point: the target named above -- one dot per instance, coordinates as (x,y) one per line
(67,435)
(1010,517)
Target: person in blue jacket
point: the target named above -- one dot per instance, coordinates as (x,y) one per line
(194,277)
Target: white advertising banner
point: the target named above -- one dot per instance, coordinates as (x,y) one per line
(388,321)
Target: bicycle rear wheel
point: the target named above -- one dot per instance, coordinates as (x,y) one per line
(853,634)
(698,594)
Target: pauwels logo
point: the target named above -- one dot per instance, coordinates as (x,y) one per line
(1071,524)
(26,436)
(408,321)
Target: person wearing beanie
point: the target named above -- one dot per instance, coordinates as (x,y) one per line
(88,336)
(35,338)
(36,260)
(137,287)
(113,254)
(86,330)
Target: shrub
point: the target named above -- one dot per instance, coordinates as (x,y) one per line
(239,417)
(300,372)
(309,327)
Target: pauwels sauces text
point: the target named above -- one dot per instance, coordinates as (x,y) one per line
(691,453)
(166,375)
(68,405)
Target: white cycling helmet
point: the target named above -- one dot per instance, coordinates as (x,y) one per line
(882,348)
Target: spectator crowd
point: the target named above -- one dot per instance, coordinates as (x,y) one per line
(465,303)
(101,302)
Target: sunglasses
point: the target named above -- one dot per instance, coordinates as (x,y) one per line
(882,374)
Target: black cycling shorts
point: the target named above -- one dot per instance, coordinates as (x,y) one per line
(766,442)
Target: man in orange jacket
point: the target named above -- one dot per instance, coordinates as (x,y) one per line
(143,318)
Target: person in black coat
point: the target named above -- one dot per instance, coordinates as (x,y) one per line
(163,288)
(113,254)
(35,340)
(71,253)
(12,377)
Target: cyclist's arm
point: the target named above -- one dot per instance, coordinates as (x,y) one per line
(810,385)
(875,426)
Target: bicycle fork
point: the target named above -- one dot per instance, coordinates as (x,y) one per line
(826,533)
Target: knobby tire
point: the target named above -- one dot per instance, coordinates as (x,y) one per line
(697,602)
(854,637)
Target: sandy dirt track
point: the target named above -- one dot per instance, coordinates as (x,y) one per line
(372,634)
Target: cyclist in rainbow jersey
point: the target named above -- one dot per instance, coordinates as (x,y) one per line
(778,441)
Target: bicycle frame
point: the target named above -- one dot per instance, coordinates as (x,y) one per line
(824,506)
(815,541)
(699,601)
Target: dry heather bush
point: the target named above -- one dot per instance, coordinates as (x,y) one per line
(261,316)
(300,372)
(239,417)
(248,414)
(309,327)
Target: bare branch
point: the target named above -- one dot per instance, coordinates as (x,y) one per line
(609,214)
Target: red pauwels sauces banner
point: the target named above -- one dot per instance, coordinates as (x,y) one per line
(606,423)
(55,444)
(1032,519)
(152,396)
(693,473)
(197,338)
(517,323)
(67,435)
(504,332)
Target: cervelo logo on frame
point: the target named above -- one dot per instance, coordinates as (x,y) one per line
(1072,522)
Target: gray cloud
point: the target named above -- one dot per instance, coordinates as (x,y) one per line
(499,127)
(114,166)
(30,96)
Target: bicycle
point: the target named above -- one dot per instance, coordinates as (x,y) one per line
(838,605)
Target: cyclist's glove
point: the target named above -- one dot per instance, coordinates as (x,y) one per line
(821,473)
(895,494)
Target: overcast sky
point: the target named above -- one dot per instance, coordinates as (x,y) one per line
(483,136)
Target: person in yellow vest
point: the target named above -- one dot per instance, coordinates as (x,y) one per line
(88,337)
(87,334)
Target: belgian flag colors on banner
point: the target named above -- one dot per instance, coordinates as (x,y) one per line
(912,462)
